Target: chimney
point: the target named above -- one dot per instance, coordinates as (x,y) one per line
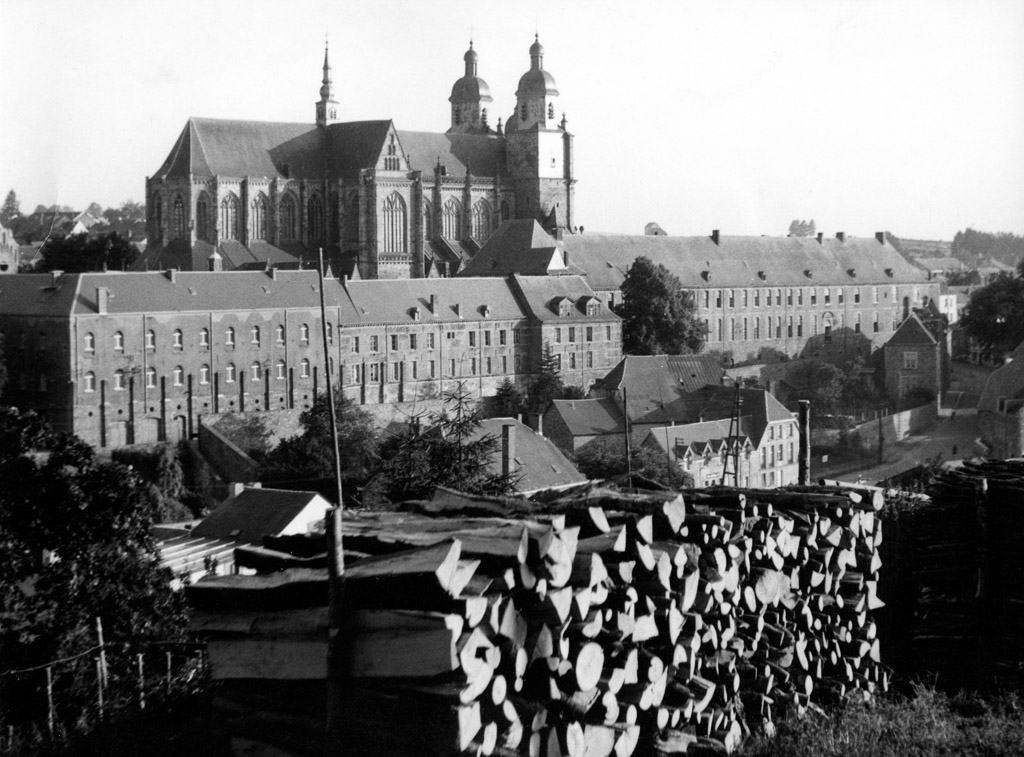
(458,310)
(102,300)
(538,423)
(714,236)
(172,275)
(236,488)
(508,449)
(821,235)
(880,236)
(804,467)
(841,236)
(433,304)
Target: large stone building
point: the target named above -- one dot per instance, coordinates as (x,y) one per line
(123,358)
(386,202)
(802,297)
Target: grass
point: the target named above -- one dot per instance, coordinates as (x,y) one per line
(924,724)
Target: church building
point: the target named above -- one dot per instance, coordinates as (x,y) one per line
(381,202)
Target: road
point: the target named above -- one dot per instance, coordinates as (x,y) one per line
(958,431)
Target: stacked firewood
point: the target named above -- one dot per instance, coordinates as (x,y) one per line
(606,622)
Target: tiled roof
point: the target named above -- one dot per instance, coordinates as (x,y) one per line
(667,438)
(740,261)
(1005,381)
(912,332)
(541,465)
(654,375)
(394,300)
(253,514)
(588,417)
(539,295)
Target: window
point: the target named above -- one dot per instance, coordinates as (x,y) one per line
(799,325)
(501,337)
(204,374)
(814,296)
(204,337)
(482,215)
(394,219)
(229,337)
(472,367)
(151,340)
(256,370)
(856,324)
(558,362)
(828,296)
(558,336)
(229,373)
(330,334)
(778,327)
(840,296)
(800,296)
(178,339)
(178,375)
(874,322)
(256,335)
(396,371)
(910,361)
(789,296)
(757,328)
(791,455)
(282,371)
(432,369)
(718,298)
(451,220)
(856,296)
(707,298)
(746,333)
(732,298)
(757,298)
(874,295)
(90,342)
(304,368)
(590,360)
(315,213)
(178,218)
(258,211)
(355,373)
(118,341)
(572,360)
(789,326)
(374,372)
(394,341)
(287,219)
(203,218)
(487,339)
(572,333)
(451,367)
(590,333)
(374,343)
(229,218)
(355,345)
(720,329)
(151,378)
(89,382)
(279,332)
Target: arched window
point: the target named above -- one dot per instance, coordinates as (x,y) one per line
(151,340)
(178,217)
(229,373)
(89,382)
(394,224)
(391,161)
(204,337)
(119,380)
(158,214)
(204,374)
(316,219)
(258,211)
(304,368)
(151,378)
(428,221)
(288,218)
(179,342)
(330,334)
(118,341)
(203,218)
(229,337)
(304,332)
(257,371)
(256,335)
(280,333)
(551,110)
(179,375)
(90,342)
(481,220)
(229,217)
(506,210)
(451,220)
(280,370)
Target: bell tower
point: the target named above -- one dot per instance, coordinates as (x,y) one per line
(470,98)
(327,108)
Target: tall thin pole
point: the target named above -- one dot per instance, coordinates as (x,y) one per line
(625,431)
(330,389)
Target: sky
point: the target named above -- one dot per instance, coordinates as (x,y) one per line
(740,115)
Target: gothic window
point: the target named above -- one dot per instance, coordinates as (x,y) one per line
(391,160)
(288,216)
(203,218)
(316,219)
(178,217)
(332,218)
(451,220)
(229,217)
(481,220)
(506,210)
(258,212)
(428,221)
(394,218)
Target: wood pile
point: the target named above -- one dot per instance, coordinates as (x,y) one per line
(603,622)
(962,577)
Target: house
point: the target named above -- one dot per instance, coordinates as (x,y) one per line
(534,461)
(715,452)
(1001,408)
(573,424)
(253,512)
(917,356)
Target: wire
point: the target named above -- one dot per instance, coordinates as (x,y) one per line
(51,662)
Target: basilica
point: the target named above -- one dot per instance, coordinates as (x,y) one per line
(381,202)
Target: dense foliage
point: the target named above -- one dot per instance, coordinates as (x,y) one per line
(970,246)
(799,228)
(995,315)
(311,453)
(658,317)
(80,252)
(445,450)
(11,208)
(602,461)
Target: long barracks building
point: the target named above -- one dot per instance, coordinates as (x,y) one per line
(125,358)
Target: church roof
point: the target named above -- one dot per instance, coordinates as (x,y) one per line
(519,246)
(209,147)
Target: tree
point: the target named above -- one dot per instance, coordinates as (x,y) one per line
(311,453)
(449,452)
(606,460)
(79,253)
(508,400)
(547,383)
(894,241)
(75,544)
(11,208)
(995,315)
(95,210)
(802,228)
(658,317)
(820,382)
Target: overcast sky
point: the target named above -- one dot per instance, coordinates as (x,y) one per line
(740,116)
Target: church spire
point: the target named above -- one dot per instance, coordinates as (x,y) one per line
(327,108)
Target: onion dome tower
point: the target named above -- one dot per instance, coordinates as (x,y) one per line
(470,98)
